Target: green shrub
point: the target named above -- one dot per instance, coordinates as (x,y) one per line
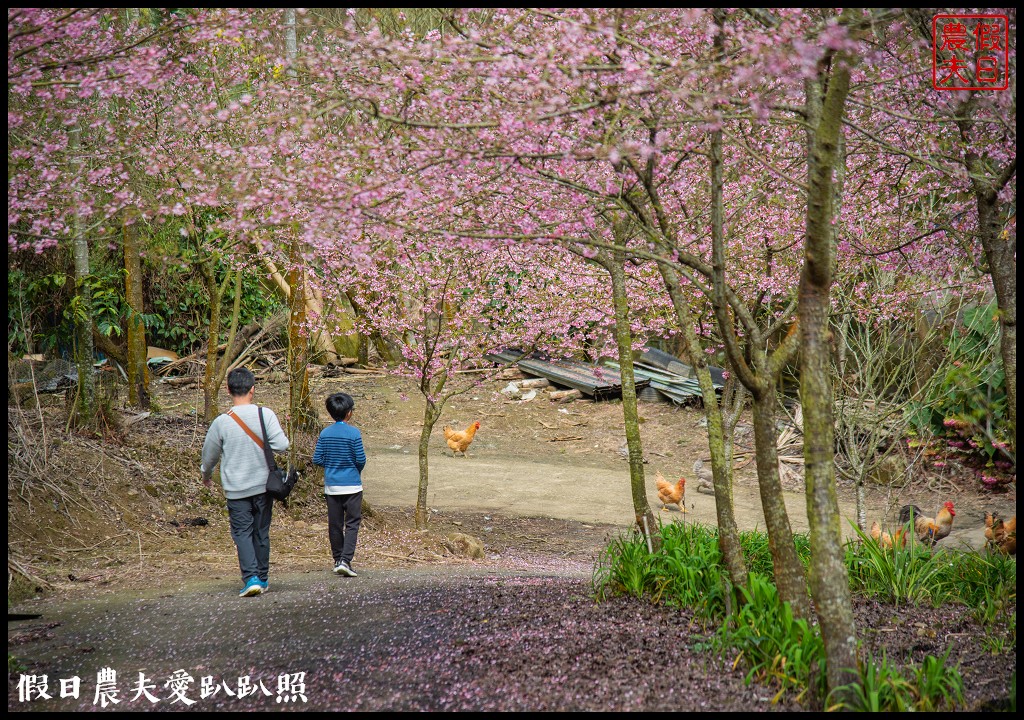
(909,574)
(966,405)
(776,647)
(882,687)
(624,568)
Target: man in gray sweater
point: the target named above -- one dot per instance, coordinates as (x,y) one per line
(235,440)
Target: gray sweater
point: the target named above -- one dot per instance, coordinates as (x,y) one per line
(243,468)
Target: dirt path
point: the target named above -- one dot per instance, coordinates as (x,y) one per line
(587,494)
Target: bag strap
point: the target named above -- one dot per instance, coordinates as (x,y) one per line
(271,463)
(245,427)
(264,444)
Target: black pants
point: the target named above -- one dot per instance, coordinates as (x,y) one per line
(250,529)
(344,513)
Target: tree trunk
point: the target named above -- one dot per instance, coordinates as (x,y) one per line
(236,311)
(789,571)
(1001,254)
(830,584)
(624,341)
(216,292)
(327,349)
(431,414)
(84,411)
(862,508)
(721,462)
(302,417)
(291,44)
(138,371)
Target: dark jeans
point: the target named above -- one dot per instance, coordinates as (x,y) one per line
(250,529)
(344,513)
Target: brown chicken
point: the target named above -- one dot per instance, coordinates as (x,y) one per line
(459,441)
(670,494)
(929,530)
(1001,535)
(885,539)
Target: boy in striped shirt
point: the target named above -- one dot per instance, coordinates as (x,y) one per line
(339,450)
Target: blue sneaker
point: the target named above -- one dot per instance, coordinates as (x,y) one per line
(252,587)
(265,584)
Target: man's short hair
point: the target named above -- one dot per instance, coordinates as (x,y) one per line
(240,381)
(339,405)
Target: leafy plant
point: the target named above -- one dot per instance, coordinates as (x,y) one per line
(880,688)
(757,551)
(787,652)
(985,582)
(692,564)
(909,574)
(686,572)
(938,686)
(14,665)
(624,568)
(965,406)
(776,646)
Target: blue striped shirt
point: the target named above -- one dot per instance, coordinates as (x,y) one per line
(339,450)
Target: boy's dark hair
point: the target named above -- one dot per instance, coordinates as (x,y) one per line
(240,381)
(339,405)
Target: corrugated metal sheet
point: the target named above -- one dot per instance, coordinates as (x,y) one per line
(678,389)
(649,394)
(661,360)
(600,383)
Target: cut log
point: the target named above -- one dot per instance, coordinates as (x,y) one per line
(182,381)
(535,383)
(565,395)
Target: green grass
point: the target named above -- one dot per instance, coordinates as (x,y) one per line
(777,648)
(788,653)
(14,665)
(932,686)
(909,575)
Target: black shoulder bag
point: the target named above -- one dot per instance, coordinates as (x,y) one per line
(279,482)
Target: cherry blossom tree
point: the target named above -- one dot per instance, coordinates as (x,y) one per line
(732,170)
(447,307)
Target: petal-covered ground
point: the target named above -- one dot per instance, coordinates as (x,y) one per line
(388,640)
(426,639)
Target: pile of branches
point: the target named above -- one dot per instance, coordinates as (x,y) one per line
(257,343)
